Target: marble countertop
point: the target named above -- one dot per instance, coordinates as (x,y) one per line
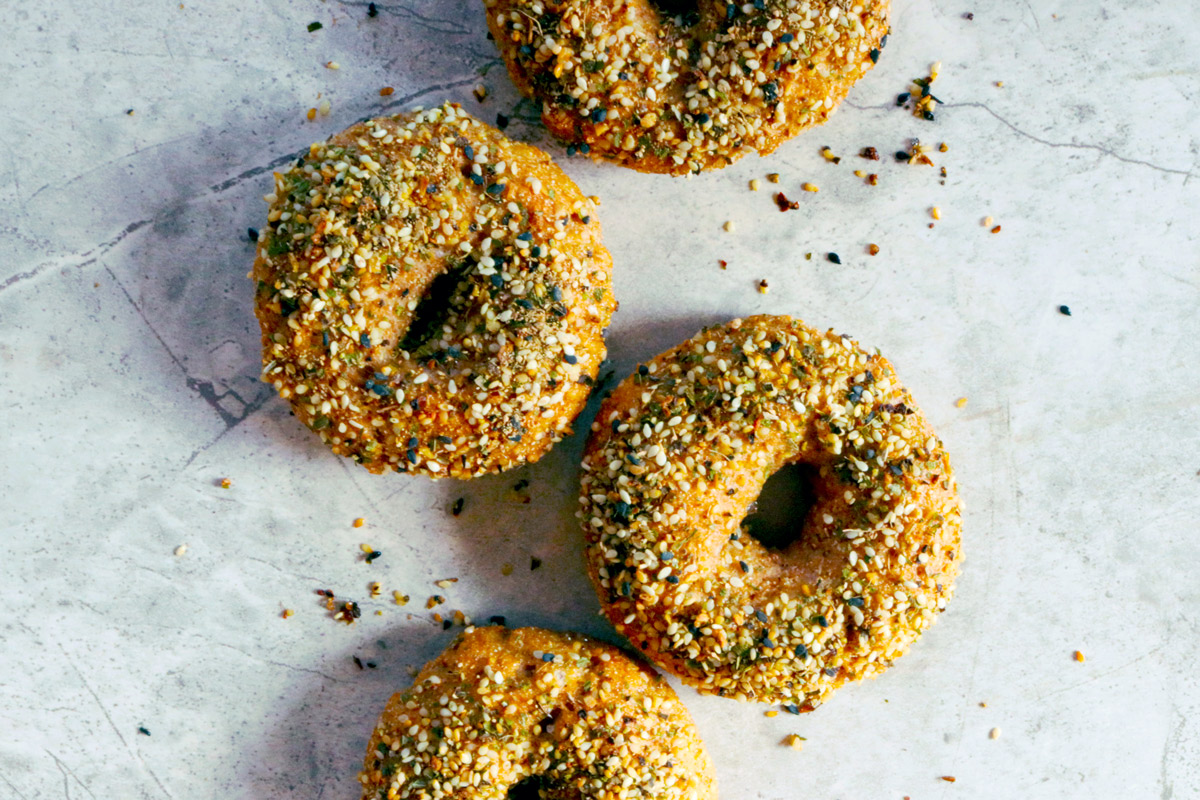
(136,149)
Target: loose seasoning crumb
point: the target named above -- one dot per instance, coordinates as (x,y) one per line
(1079,656)
(870,153)
(129,112)
(506,569)
(982,704)
(252,234)
(811,187)
(728,226)
(996,229)
(754,184)
(445,583)
(785,204)
(724,264)
(935,212)
(771,713)
(762,286)
(399,598)
(366,548)
(808,256)
(943,148)
(794,741)
(181,549)
(534,563)
(858,173)
(372,10)
(994,733)
(999,84)
(374,588)
(359,522)
(386,91)
(457,508)
(949,778)
(773,177)
(312,114)
(834,257)
(332,65)
(348,613)
(357,662)
(226,483)
(873,249)
(501,121)
(960,402)
(434,600)
(286,613)
(1064,310)
(873,179)
(323,108)
(371,556)
(480,91)
(968,16)
(829,156)
(314,26)
(143,731)
(987,222)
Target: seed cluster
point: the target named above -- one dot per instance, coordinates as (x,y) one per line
(682,449)
(687,93)
(566,713)
(432,295)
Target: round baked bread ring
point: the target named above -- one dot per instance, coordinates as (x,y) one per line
(563,712)
(432,295)
(679,453)
(631,84)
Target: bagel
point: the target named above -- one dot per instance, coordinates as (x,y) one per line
(432,295)
(559,711)
(624,81)
(677,456)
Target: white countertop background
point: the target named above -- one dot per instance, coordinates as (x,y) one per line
(129,357)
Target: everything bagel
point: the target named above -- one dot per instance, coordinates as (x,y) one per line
(624,81)
(432,295)
(680,451)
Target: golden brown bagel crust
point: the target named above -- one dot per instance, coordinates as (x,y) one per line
(436,203)
(583,718)
(681,450)
(623,81)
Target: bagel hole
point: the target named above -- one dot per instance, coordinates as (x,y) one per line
(777,516)
(686,11)
(532,788)
(436,306)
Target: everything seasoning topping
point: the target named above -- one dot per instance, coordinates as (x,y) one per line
(666,97)
(500,706)
(673,465)
(418,322)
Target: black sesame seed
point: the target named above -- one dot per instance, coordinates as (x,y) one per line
(1064,310)
(902,98)
(834,257)
(446,624)
(570,150)
(820,620)
(495,189)
(143,731)
(534,563)
(372,10)
(252,234)
(457,508)
(901,155)
(792,708)
(883,41)
(371,556)
(874,56)
(745,567)
(671,579)
(761,616)
(497,619)
(501,121)
(570,359)
(857,602)
(469,152)
(314,26)
(357,662)
(431,189)
(599,114)
(476,179)
(585,148)
(364,339)
(547,657)
(667,555)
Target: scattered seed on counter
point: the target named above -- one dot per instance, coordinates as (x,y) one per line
(181,549)
(763,288)
(314,26)
(754,184)
(794,741)
(286,613)
(935,212)
(728,226)
(457,507)
(996,229)
(829,156)
(873,249)
(1064,310)
(374,588)
(445,583)
(386,91)
(434,601)
(784,204)
(810,187)
(332,65)
(506,569)
(869,153)
(773,177)
(400,598)
(834,258)
(960,402)
(480,91)
(359,522)
(994,733)
(1079,656)
(534,563)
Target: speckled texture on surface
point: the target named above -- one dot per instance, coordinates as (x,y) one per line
(128,374)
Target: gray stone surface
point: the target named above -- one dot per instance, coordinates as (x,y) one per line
(128,376)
